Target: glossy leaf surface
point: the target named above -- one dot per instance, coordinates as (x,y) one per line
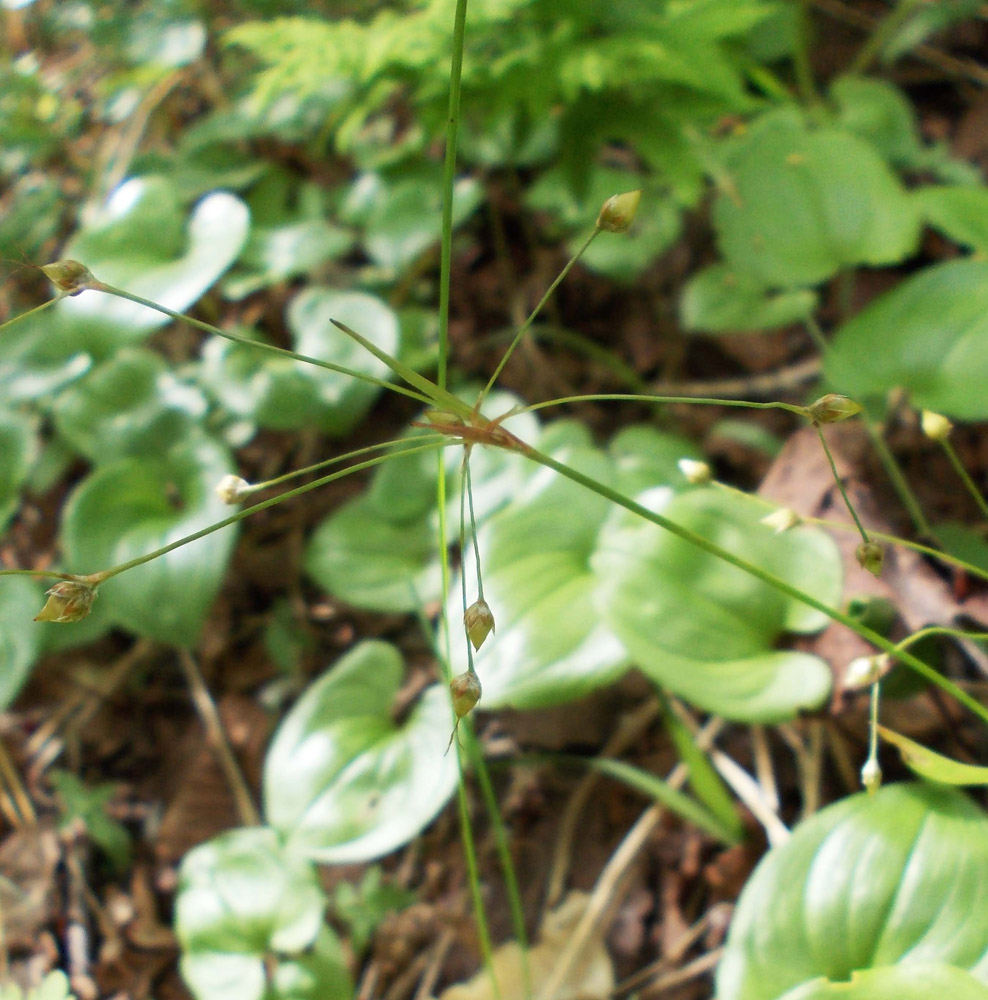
(133,506)
(342,781)
(897,878)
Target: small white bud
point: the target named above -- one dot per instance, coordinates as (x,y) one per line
(781,520)
(697,473)
(232,489)
(935,425)
(871,776)
(863,671)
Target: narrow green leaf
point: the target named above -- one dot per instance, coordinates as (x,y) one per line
(934,766)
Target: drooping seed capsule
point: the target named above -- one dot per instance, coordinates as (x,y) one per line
(465,691)
(479,622)
(863,671)
(870,556)
(69,276)
(618,212)
(832,407)
(68,601)
(696,473)
(935,425)
(232,489)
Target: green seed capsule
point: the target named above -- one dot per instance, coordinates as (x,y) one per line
(832,407)
(68,601)
(479,622)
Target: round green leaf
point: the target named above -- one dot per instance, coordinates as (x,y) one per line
(343,782)
(958,212)
(242,896)
(721,300)
(131,404)
(929,335)
(704,628)
(18,447)
(20,636)
(915,981)
(133,506)
(897,878)
(137,243)
(805,204)
(880,113)
(370,562)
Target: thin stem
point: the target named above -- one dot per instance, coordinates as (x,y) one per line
(626,397)
(533,314)
(295,473)
(45,573)
(206,707)
(259,345)
(801,55)
(899,482)
(953,633)
(473,526)
(964,475)
(449,175)
(31,312)
(840,485)
(887,27)
(923,669)
(463,555)
(815,331)
(104,575)
(881,536)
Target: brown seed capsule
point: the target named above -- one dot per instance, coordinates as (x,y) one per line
(618,212)
(833,407)
(870,556)
(68,601)
(479,621)
(465,691)
(69,276)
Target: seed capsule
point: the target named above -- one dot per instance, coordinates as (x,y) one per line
(696,473)
(69,276)
(870,556)
(68,601)
(465,691)
(935,425)
(479,622)
(618,212)
(231,489)
(833,407)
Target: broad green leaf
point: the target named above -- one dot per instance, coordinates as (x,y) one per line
(803,205)
(20,636)
(964,542)
(929,764)
(912,981)
(880,113)
(929,336)
(247,906)
(959,212)
(342,782)
(130,404)
(549,644)
(705,629)
(134,506)
(721,300)
(897,878)
(372,562)
(18,448)
(141,243)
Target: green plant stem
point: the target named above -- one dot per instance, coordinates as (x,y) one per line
(840,485)
(887,27)
(801,55)
(965,476)
(899,482)
(44,573)
(463,551)
(881,536)
(31,312)
(627,397)
(532,315)
(95,579)
(99,286)
(449,175)
(295,473)
(816,333)
(944,630)
(473,529)
(601,489)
